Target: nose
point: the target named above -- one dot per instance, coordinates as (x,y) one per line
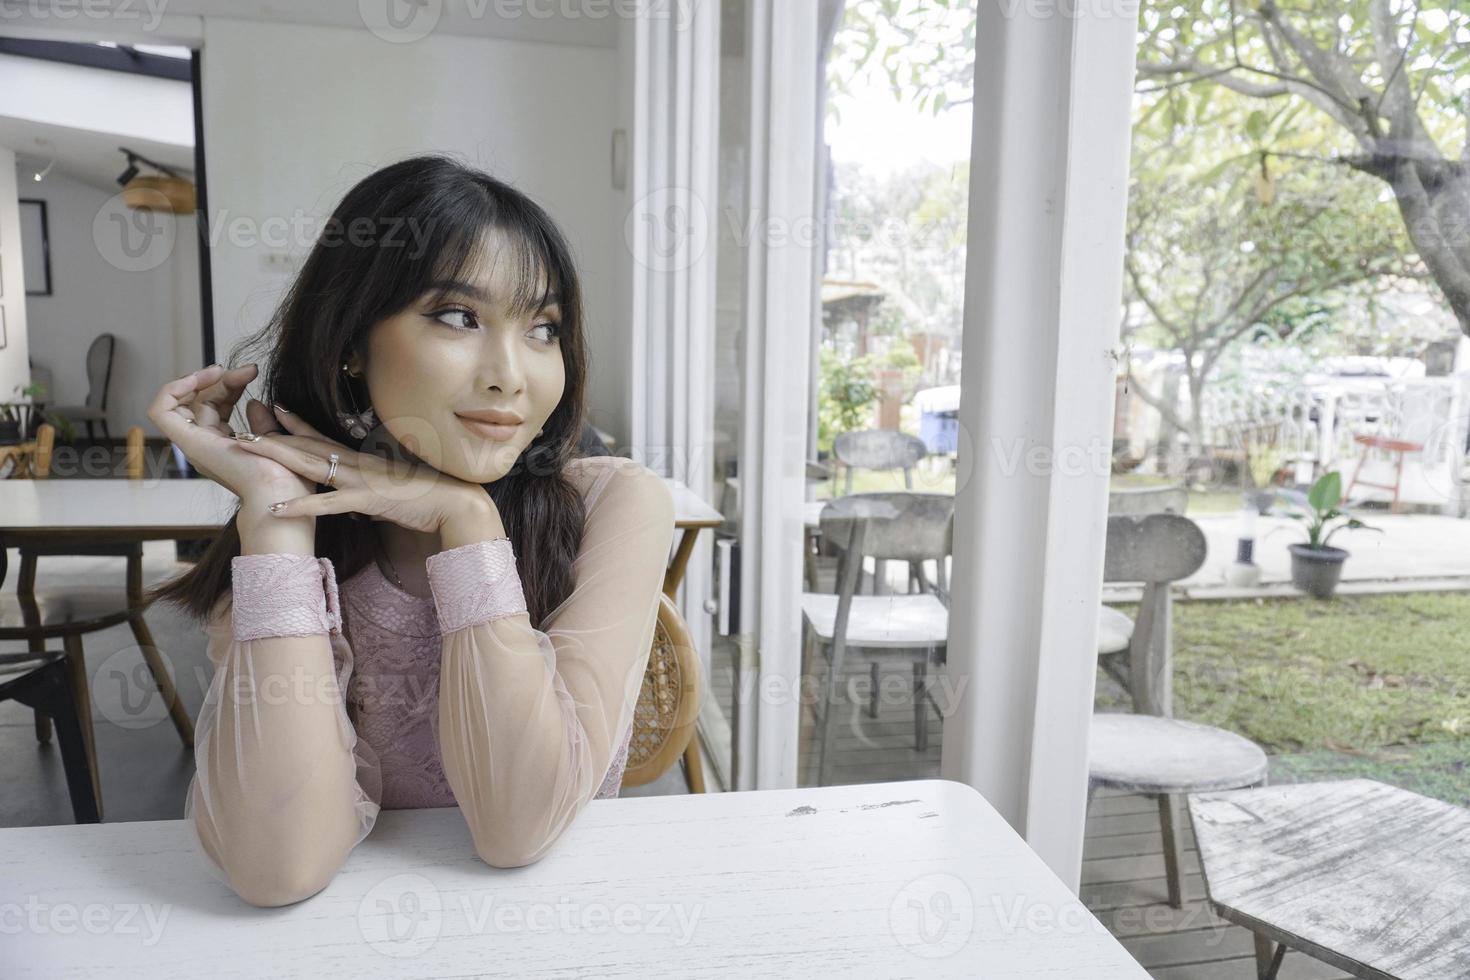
(501,365)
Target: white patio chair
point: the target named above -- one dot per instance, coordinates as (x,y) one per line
(896,526)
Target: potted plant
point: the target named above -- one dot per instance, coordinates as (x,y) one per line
(1263,461)
(15,416)
(20,419)
(1316,566)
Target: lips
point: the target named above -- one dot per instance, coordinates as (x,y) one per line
(496,426)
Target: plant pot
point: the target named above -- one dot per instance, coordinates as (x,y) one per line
(10,432)
(1262,500)
(1316,571)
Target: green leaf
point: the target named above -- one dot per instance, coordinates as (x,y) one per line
(1255,124)
(1326,493)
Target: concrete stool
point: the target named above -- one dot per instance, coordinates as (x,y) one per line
(1164,757)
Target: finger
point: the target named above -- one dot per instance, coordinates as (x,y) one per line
(260,418)
(226,391)
(299,461)
(331,502)
(296,425)
(217,401)
(313,443)
(164,410)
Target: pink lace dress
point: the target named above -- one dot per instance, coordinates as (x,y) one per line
(330,701)
(393,696)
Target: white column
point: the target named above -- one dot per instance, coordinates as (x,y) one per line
(15,369)
(1048,183)
(671,232)
(781,41)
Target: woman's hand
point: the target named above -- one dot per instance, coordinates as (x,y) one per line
(415,496)
(208,398)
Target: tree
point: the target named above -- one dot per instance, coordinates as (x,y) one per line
(1385,85)
(926,48)
(1389,76)
(847,396)
(1208,267)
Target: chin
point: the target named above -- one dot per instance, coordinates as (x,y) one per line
(505,459)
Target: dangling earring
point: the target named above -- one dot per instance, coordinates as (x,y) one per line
(358,423)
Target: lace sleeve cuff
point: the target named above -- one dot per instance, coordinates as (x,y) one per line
(475,583)
(283,595)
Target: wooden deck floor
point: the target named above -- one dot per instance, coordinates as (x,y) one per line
(1123,865)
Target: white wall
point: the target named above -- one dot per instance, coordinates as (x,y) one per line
(294,115)
(150,301)
(13,367)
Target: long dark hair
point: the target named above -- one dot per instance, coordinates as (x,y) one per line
(399,230)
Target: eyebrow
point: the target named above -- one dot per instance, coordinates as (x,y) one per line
(553,298)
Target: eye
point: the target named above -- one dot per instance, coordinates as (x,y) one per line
(466,318)
(552,330)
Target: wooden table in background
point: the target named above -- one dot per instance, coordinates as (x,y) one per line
(690,514)
(150,510)
(919,878)
(99,511)
(1367,877)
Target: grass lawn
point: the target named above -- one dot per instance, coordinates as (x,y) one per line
(933,475)
(1213,500)
(1377,686)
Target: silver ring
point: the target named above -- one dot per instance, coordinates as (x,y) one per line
(332,459)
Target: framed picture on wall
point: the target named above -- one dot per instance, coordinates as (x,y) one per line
(35,247)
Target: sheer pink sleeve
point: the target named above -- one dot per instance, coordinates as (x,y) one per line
(283,788)
(532,723)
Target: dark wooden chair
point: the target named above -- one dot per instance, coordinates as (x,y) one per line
(54,683)
(99,380)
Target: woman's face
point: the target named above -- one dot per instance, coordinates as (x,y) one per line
(433,367)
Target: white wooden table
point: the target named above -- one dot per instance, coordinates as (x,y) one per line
(917,879)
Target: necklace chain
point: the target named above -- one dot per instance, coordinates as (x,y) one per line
(392,568)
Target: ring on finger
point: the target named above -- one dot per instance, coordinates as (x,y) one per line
(332,461)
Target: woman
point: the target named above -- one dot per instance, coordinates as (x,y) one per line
(497,594)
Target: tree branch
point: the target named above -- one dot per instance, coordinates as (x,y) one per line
(1136,278)
(1155,402)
